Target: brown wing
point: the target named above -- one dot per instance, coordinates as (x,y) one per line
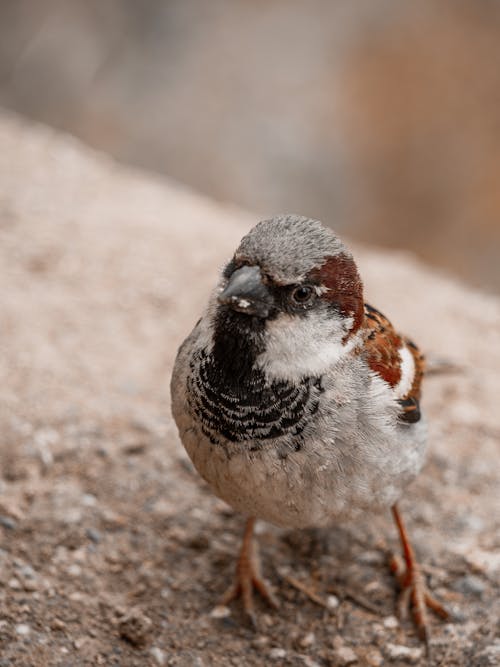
(396,359)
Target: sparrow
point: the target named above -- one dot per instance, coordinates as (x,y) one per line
(298,402)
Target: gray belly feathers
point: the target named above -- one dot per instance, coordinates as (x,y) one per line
(293,453)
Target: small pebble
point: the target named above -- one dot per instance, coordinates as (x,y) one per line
(260,642)
(29,578)
(94,535)
(332,602)
(483,561)
(345,656)
(23,629)
(72,515)
(89,500)
(372,586)
(400,652)
(309,662)
(28,572)
(158,655)
(374,658)
(135,627)
(74,570)
(308,640)
(135,448)
(198,542)
(76,596)
(267,620)
(7,522)
(378,630)
(390,622)
(58,624)
(30,585)
(371,558)
(470,585)
(220,611)
(277,653)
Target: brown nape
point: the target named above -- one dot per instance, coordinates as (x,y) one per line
(340,275)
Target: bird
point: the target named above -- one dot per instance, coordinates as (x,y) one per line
(298,403)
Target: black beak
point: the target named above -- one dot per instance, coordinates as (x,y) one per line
(246,293)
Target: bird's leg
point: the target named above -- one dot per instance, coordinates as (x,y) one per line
(411,581)
(248,576)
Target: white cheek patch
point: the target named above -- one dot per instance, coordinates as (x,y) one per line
(407,372)
(297,347)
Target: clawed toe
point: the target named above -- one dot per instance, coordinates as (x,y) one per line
(244,587)
(414,594)
(248,578)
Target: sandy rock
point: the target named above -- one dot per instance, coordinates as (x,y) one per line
(104,271)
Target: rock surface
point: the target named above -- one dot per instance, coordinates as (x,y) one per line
(103,272)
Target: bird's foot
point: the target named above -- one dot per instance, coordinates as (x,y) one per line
(415,595)
(248,577)
(414,592)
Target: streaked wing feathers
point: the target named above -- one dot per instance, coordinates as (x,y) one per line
(396,359)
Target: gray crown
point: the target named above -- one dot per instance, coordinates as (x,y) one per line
(287,247)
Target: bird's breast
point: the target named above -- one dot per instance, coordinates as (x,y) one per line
(251,408)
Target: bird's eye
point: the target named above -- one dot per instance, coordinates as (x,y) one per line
(302,294)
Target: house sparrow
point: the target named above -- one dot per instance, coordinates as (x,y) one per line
(297,402)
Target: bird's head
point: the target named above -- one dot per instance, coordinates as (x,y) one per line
(293,291)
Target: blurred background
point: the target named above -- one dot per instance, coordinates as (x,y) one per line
(380,117)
